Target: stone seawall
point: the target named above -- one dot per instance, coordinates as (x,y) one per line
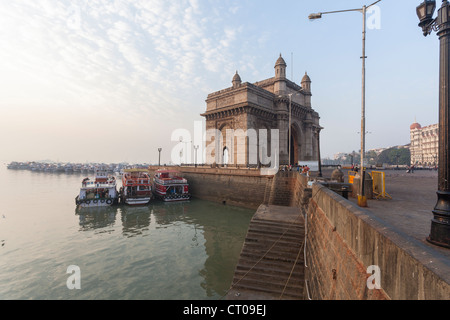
(239,187)
(245,187)
(343,240)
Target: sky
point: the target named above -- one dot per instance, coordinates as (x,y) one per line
(110,81)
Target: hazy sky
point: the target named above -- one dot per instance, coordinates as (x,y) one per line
(111,80)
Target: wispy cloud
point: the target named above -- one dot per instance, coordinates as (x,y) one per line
(117,51)
(140,60)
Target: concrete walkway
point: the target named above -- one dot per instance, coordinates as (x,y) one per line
(410,210)
(408,214)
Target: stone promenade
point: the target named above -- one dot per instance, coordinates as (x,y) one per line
(410,209)
(409,214)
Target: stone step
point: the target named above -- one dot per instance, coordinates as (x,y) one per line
(278,290)
(294,222)
(270,262)
(279,248)
(296,272)
(266,232)
(277,227)
(271,241)
(269,256)
(253,236)
(270,278)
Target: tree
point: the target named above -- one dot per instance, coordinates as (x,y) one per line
(394,156)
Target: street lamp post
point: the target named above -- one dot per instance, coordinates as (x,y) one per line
(159,159)
(362,201)
(196,148)
(440,224)
(290,124)
(318,152)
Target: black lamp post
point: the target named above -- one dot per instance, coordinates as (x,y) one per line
(159,161)
(196,148)
(318,151)
(440,224)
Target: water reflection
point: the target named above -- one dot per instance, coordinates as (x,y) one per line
(168,213)
(135,220)
(96,217)
(216,230)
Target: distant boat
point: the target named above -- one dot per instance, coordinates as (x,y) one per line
(136,187)
(169,186)
(13,165)
(99,192)
(68,168)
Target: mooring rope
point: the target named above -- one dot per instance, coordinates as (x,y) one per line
(292,270)
(291,223)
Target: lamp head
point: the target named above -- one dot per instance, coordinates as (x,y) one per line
(314,16)
(425,13)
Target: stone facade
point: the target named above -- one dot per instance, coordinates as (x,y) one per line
(244,109)
(424,144)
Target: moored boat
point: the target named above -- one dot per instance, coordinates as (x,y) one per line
(99,192)
(168,185)
(13,165)
(136,187)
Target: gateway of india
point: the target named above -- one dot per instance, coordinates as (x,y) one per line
(273,103)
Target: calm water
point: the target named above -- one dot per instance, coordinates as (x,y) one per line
(161,251)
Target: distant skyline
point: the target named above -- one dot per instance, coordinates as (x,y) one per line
(109,81)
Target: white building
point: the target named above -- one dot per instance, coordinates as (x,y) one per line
(424,144)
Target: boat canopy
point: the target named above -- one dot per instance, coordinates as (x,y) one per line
(135,170)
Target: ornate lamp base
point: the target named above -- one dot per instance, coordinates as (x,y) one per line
(440,224)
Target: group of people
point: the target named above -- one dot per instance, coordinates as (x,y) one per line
(302,169)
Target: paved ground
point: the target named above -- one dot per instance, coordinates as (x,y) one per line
(409,210)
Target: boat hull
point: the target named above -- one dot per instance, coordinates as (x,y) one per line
(95,203)
(172,198)
(137,201)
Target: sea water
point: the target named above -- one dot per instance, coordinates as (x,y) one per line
(161,251)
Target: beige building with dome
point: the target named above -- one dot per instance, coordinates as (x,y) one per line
(424,145)
(272,103)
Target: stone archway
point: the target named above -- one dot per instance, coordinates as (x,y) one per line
(295,145)
(224,150)
(225,156)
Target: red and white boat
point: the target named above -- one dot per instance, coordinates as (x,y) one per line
(136,187)
(168,185)
(98,192)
